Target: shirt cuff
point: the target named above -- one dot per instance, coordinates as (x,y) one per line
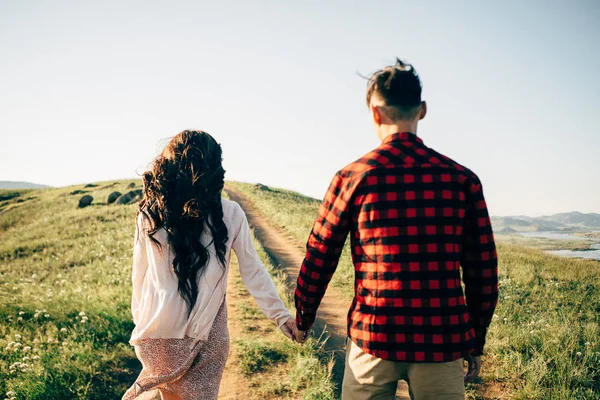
(304,320)
(480,334)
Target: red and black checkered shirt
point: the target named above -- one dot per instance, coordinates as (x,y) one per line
(415,218)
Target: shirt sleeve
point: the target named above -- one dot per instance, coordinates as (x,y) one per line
(323,249)
(255,276)
(139,267)
(479,262)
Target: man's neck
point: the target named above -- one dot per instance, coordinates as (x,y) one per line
(386,130)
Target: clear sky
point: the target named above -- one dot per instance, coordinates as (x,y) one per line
(90,89)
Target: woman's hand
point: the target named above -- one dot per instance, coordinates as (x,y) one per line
(288,328)
(300,336)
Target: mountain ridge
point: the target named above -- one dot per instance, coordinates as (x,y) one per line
(567,221)
(21,185)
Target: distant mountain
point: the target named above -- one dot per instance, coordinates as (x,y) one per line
(21,185)
(575,218)
(570,221)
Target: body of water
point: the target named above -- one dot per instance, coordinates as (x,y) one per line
(589,254)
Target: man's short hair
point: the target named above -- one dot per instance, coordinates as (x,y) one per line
(399,87)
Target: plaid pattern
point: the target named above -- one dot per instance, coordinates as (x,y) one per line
(415,218)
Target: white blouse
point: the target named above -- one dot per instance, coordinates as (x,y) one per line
(157,307)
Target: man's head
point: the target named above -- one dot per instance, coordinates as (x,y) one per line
(394,99)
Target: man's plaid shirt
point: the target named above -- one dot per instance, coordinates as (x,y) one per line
(415,218)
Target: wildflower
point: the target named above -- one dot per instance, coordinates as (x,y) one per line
(27,348)
(18,337)
(50,340)
(47,315)
(25,358)
(19,319)
(587,343)
(17,345)
(21,312)
(33,276)
(35,357)
(81,313)
(63,329)
(578,354)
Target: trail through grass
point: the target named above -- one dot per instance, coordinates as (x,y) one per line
(65,295)
(544,342)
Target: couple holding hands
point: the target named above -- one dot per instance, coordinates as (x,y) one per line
(415,217)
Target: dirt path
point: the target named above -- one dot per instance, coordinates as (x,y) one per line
(233,386)
(288,255)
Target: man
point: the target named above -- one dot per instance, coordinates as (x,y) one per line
(416,217)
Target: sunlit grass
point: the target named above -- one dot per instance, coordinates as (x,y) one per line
(65,295)
(544,342)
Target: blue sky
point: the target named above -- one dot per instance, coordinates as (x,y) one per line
(90,90)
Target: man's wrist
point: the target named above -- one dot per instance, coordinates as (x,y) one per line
(304,320)
(478,352)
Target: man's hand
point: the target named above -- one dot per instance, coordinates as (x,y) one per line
(288,328)
(300,336)
(474,368)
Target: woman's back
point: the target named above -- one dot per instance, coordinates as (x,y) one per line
(184,236)
(157,307)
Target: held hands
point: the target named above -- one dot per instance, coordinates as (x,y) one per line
(290,330)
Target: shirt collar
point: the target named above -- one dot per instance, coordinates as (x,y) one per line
(402,137)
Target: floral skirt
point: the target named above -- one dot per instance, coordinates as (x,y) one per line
(170,365)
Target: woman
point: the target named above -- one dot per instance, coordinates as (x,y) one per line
(184,236)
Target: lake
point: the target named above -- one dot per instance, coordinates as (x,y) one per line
(589,254)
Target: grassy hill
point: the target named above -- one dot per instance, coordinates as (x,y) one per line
(544,342)
(65,316)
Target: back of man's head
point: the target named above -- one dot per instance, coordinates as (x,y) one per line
(396,89)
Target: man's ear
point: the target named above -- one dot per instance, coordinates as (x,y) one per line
(423,110)
(376,115)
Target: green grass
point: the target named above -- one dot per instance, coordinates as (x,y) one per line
(65,295)
(276,367)
(296,214)
(544,342)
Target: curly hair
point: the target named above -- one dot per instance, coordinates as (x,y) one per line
(182,195)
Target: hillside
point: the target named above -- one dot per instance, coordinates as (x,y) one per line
(21,185)
(572,221)
(65,318)
(544,342)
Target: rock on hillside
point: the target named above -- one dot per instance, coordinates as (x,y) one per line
(133,196)
(113,197)
(85,201)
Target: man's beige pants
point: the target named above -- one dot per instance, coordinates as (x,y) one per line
(371,378)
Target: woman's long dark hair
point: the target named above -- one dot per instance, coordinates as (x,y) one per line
(182,194)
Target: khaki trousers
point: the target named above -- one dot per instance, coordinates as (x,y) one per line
(370,378)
